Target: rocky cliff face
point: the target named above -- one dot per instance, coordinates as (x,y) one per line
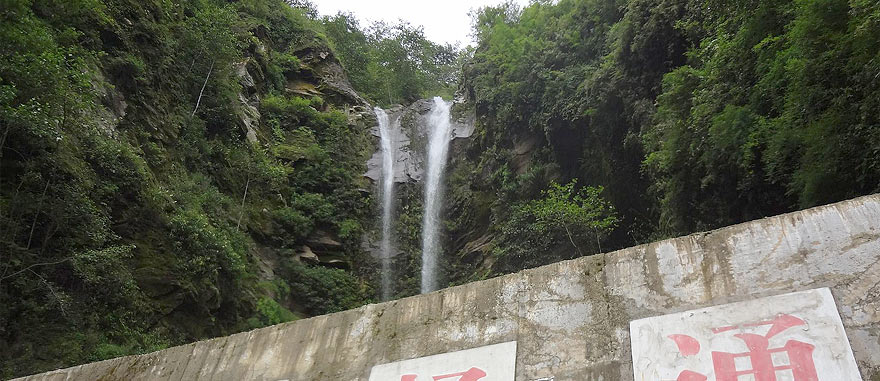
(409,134)
(410,137)
(319,74)
(329,76)
(173,172)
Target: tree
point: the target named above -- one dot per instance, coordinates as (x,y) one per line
(393,63)
(539,230)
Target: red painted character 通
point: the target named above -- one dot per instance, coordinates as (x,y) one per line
(760,355)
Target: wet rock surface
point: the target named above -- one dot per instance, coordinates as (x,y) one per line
(332,81)
(410,134)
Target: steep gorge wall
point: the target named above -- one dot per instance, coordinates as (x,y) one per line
(570,319)
(409,134)
(173,171)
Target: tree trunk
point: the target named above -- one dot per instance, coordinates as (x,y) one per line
(36,216)
(572,240)
(243,198)
(199,101)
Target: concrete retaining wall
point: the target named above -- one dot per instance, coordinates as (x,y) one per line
(570,319)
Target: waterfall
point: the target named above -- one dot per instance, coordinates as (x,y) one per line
(439,135)
(387,194)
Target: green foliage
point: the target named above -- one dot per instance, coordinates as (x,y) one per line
(325,156)
(322,290)
(393,63)
(269,312)
(205,249)
(691,114)
(349,229)
(129,218)
(571,83)
(134,342)
(769,114)
(563,223)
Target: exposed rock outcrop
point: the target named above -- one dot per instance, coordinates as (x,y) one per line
(409,131)
(332,81)
(249,98)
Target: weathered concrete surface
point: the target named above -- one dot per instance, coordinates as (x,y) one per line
(570,319)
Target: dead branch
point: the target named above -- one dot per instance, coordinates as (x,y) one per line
(199,101)
(37,215)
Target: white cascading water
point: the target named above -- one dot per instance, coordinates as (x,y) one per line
(387,194)
(439,135)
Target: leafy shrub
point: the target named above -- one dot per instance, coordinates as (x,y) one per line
(564,223)
(269,312)
(322,290)
(294,224)
(205,248)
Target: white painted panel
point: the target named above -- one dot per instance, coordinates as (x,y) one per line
(490,363)
(796,337)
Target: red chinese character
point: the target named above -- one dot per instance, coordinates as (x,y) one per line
(690,376)
(800,354)
(472,374)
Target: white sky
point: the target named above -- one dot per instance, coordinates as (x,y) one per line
(443,20)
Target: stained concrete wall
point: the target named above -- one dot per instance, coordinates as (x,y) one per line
(570,319)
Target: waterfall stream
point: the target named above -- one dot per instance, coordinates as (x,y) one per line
(439,136)
(387,194)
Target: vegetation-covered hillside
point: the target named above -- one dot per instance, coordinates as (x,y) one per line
(171,171)
(692,114)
